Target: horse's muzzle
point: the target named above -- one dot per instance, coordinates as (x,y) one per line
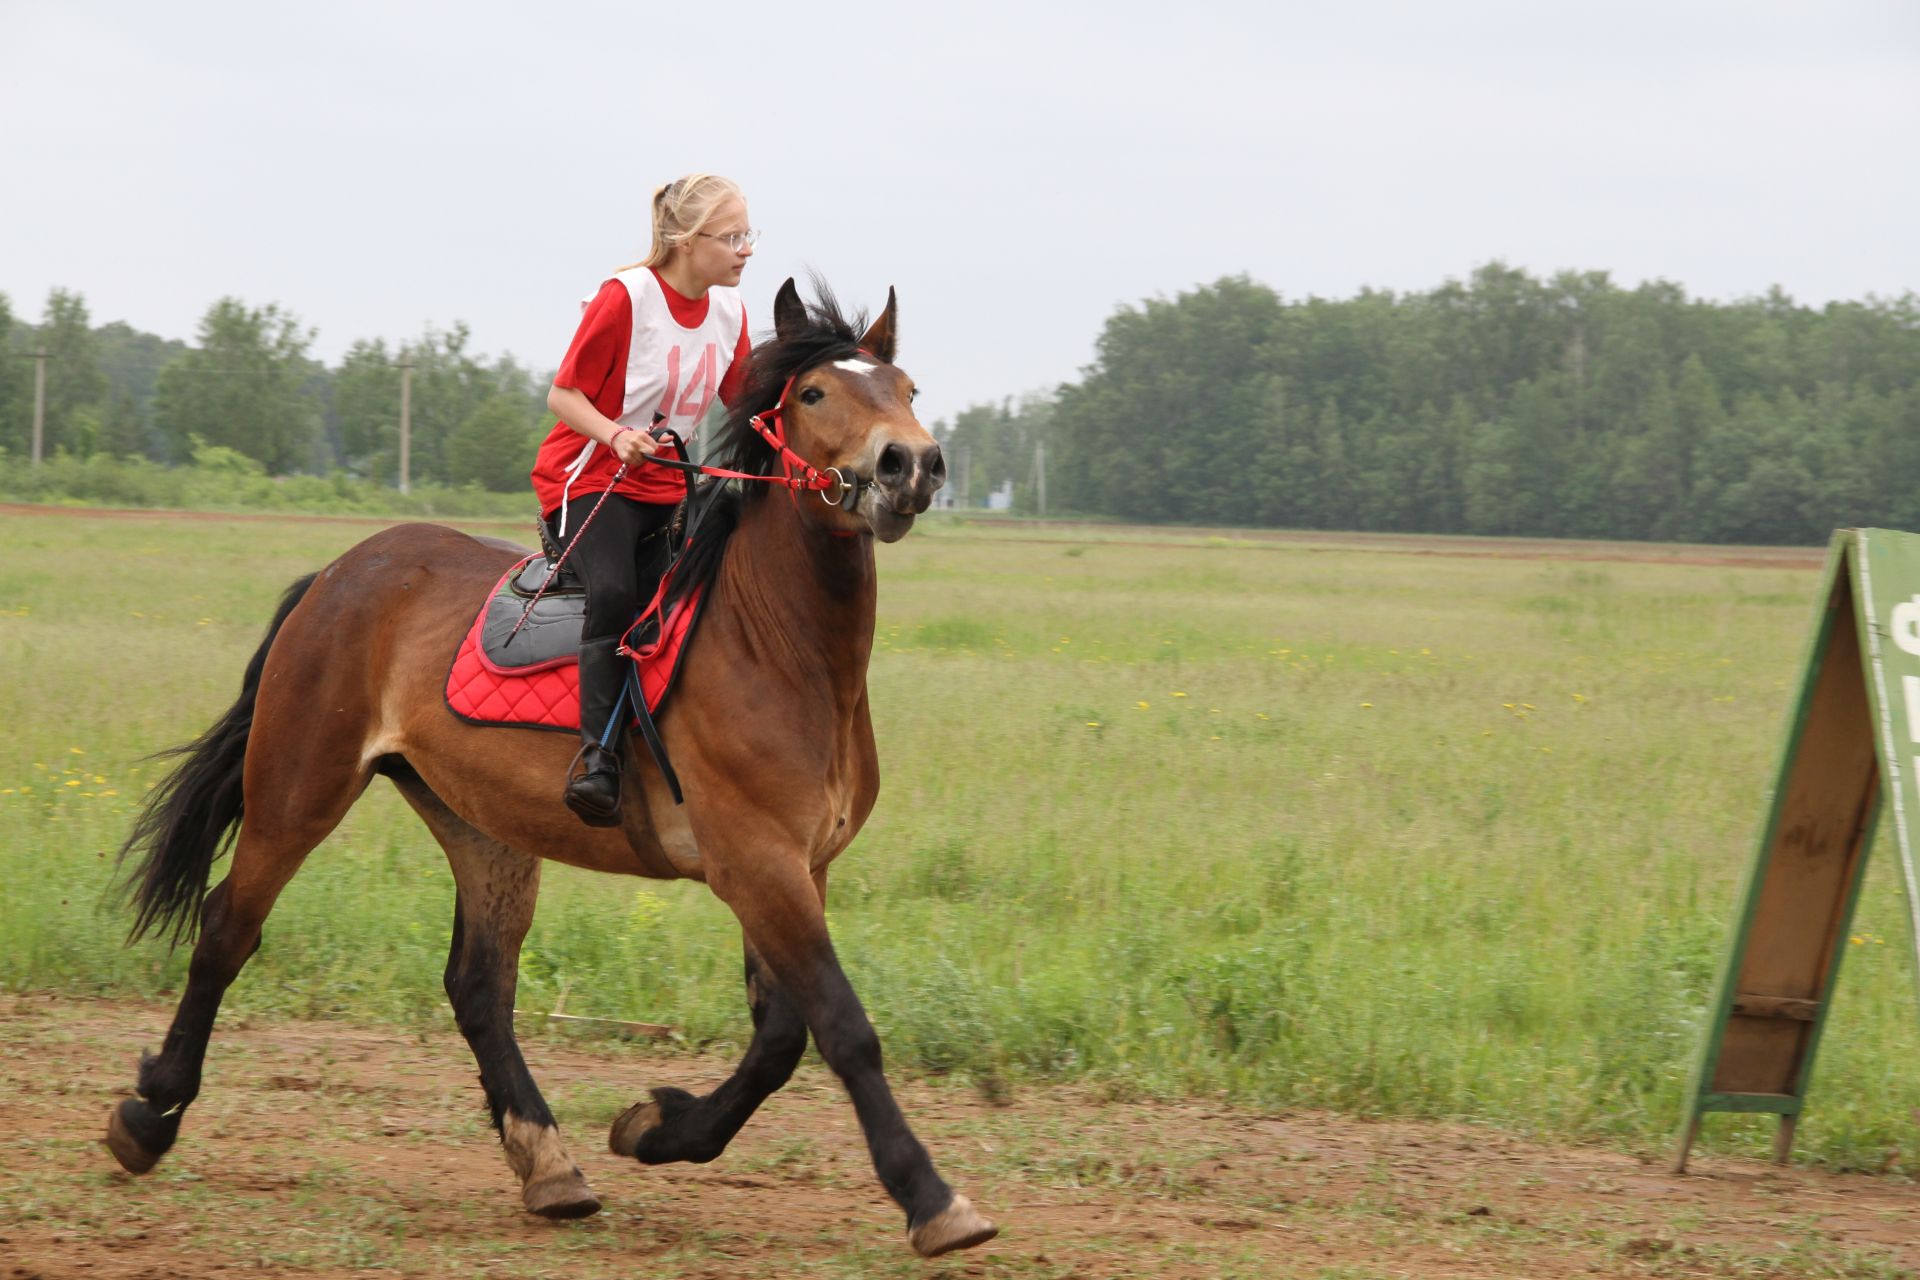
(907,476)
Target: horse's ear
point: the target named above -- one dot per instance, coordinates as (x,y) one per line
(789,313)
(880,336)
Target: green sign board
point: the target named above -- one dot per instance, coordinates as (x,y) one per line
(1890,601)
(1852,745)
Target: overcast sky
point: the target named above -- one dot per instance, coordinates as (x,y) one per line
(1018,171)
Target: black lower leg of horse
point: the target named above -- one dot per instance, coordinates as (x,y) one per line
(481,977)
(144,1128)
(480,984)
(851,1048)
(783,914)
(496,890)
(938,1221)
(674,1125)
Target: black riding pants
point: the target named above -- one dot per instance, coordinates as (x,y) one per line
(620,552)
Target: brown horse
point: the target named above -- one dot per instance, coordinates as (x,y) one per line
(768,730)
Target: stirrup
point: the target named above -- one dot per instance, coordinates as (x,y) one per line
(586,806)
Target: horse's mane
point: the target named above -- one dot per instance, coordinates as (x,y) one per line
(828,334)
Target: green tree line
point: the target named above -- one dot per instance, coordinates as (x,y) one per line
(249,384)
(1502,404)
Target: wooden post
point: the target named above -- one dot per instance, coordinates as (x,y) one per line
(1040,473)
(406,424)
(39,401)
(1783,1139)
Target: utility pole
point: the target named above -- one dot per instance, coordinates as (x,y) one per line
(39,401)
(406,423)
(1040,473)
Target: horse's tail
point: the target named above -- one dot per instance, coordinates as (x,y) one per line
(192,817)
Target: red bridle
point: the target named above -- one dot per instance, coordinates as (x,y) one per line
(796,473)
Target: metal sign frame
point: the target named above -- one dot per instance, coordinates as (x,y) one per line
(1841,756)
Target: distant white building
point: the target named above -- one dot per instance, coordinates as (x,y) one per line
(1001,499)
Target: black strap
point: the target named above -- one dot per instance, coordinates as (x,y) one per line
(651,732)
(698,502)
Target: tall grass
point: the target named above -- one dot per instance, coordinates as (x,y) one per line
(1386,833)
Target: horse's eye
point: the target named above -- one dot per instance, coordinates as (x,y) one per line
(812,395)
(914,394)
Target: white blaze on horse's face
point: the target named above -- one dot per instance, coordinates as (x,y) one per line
(858,416)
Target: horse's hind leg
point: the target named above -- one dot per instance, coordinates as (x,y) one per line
(493,908)
(275,838)
(674,1125)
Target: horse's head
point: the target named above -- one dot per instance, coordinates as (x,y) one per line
(851,408)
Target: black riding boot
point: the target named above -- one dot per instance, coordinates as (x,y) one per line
(593,792)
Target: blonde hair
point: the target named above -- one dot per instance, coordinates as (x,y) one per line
(682,209)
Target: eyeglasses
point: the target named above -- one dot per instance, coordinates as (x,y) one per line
(734,240)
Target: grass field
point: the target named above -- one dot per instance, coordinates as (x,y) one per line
(1296,826)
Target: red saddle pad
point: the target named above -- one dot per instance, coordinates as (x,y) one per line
(548,696)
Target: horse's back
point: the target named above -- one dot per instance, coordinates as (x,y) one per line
(371,641)
(429,548)
(409,569)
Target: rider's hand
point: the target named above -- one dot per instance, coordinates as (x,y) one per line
(633,446)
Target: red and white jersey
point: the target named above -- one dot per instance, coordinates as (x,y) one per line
(646,357)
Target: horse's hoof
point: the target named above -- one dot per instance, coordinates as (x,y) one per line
(632,1125)
(134,1155)
(562,1197)
(958,1226)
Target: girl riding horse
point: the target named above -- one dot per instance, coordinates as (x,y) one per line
(656,344)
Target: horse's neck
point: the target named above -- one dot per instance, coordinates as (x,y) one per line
(804,598)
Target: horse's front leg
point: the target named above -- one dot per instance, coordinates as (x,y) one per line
(777,903)
(674,1125)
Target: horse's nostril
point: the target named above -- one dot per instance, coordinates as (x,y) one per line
(893,462)
(937,468)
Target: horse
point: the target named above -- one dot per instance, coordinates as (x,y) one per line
(768,729)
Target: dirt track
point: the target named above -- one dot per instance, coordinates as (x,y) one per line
(332,1150)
